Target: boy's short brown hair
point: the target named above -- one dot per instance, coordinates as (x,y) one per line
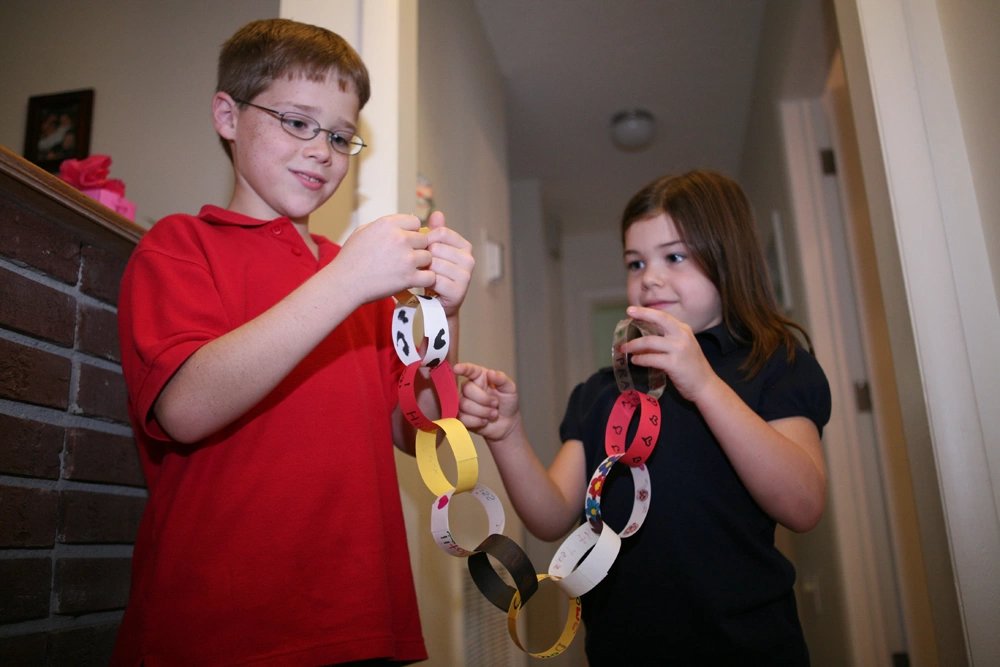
(265,50)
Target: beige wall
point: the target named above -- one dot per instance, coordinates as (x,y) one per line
(152,67)
(972,39)
(461,149)
(541,359)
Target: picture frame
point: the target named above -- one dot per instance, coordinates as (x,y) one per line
(58,128)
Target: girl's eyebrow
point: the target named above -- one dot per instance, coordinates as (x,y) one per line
(661,246)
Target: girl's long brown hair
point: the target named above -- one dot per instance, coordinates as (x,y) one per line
(715,220)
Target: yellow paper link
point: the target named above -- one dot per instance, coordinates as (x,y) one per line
(573,615)
(466,461)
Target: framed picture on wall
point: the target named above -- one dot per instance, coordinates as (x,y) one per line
(58,128)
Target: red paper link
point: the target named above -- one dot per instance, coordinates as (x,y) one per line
(445,385)
(91,173)
(647,433)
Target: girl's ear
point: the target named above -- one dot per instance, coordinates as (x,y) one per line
(224,115)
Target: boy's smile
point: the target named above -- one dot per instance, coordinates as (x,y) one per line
(661,274)
(280,175)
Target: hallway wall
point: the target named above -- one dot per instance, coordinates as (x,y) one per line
(152,67)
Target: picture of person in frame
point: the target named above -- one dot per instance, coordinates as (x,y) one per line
(58,128)
(57,140)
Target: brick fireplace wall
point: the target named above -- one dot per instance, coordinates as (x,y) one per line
(71,490)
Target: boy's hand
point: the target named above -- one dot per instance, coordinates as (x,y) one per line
(452,263)
(489,404)
(387,256)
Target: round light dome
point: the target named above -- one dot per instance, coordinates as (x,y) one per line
(633,129)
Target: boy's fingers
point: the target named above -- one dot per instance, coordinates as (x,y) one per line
(435,220)
(410,223)
(452,253)
(449,238)
(423,259)
(418,241)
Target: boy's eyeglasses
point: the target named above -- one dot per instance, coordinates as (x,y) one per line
(303,127)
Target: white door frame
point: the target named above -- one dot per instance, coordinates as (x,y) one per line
(856,506)
(917,165)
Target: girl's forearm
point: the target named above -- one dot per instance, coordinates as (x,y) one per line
(780,463)
(542,503)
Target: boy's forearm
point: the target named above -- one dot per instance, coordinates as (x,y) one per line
(228,376)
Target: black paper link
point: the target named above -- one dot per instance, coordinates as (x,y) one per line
(514,560)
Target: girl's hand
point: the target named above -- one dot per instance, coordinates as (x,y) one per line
(675,351)
(779,462)
(452,263)
(488,404)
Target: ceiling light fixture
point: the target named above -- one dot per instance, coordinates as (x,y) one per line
(633,129)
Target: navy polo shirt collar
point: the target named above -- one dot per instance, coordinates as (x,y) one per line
(720,336)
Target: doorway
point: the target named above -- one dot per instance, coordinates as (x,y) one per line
(881,580)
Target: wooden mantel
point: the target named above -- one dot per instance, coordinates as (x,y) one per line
(14,170)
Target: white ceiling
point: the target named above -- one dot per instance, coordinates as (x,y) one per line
(570,65)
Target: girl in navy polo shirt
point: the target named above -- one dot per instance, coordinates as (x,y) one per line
(701,583)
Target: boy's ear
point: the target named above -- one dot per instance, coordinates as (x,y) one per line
(224,115)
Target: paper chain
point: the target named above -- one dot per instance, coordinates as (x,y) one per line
(594,541)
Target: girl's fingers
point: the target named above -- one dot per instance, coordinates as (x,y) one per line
(473,391)
(475,414)
(484,378)
(471,422)
(501,382)
(476,410)
(476,391)
(644,345)
(660,321)
(468,371)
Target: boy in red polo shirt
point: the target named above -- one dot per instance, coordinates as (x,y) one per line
(262,385)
